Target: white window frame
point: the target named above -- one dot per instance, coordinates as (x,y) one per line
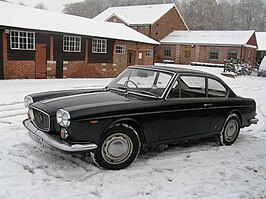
(167,52)
(22,40)
(99,45)
(120,49)
(149,53)
(71,43)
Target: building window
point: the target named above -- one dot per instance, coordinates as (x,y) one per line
(21,40)
(232,54)
(72,44)
(213,54)
(149,53)
(167,52)
(120,50)
(99,46)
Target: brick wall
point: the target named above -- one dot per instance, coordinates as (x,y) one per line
(200,53)
(161,28)
(83,69)
(16,69)
(1,55)
(19,69)
(166,24)
(146,30)
(115,19)
(72,69)
(159,53)
(121,59)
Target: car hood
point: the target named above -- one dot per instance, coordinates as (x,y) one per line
(97,104)
(86,100)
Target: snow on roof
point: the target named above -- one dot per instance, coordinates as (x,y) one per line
(261,40)
(209,37)
(17,16)
(138,15)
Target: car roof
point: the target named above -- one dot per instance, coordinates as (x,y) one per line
(174,69)
(263,62)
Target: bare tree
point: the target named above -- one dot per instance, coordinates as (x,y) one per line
(202,15)
(198,14)
(248,13)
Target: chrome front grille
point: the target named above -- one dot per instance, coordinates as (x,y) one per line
(40,119)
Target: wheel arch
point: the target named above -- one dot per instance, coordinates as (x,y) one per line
(134,124)
(239,114)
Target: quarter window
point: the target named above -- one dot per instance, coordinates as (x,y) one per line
(192,87)
(21,40)
(72,44)
(99,46)
(120,49)
(167,52)
(216,89)
(149,53)
(213,54)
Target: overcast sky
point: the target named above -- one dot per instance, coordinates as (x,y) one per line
(53,5)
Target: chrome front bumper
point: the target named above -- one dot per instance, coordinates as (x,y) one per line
(56,142)
(253,121)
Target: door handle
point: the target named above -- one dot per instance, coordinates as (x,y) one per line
(208,105)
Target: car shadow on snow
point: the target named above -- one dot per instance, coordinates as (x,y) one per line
(52,160)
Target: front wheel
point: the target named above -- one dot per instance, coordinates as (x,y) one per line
(230,130)
(118,148)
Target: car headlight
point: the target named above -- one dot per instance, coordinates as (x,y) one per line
(28,100)
(63,117)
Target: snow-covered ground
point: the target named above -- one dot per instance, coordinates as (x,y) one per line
(198,170)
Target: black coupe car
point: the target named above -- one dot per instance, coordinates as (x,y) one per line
(142,106)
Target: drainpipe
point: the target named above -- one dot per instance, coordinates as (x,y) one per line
(241,47)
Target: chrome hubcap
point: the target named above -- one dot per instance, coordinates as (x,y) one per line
(117,148)
(231,130)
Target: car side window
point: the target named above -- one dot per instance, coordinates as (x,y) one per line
(216,89)
(188,87)
(192,87)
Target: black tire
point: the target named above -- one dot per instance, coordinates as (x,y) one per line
(118,148)
(230,130)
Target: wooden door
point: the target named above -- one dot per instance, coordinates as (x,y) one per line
(40,60)
(1,57)
(187,55)
(141,58)
(131,56)
(59,69)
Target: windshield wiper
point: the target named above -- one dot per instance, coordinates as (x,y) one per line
(122,87)
(119,88)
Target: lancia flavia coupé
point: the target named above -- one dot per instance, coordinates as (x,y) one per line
(143,106)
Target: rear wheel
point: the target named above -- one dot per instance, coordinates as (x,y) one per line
(230,130)
(118,148)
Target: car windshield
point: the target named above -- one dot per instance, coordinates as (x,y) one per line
(142,81)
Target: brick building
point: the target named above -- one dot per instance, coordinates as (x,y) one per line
(155,21)
(184,47)
(42,44)
(261,41)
